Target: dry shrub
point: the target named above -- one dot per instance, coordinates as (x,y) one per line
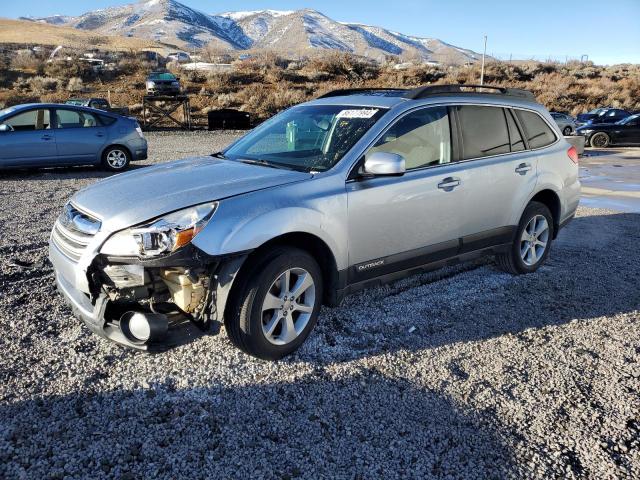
(75,85)
(68,69)
(265,101)
(27,61)
(344,65)
(43,85)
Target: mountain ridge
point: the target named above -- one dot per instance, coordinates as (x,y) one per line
(286,32)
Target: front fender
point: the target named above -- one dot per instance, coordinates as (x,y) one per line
(245,223)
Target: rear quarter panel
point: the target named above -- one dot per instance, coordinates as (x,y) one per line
(557,172)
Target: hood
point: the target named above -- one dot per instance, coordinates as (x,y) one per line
(134,197)
(599,126)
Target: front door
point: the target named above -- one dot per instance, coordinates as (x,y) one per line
(79,136)
(629,133)
(396,223)
(28,140)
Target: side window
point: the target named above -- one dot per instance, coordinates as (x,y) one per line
(75,119)
(536,129)
(30,121)
(484,131)
(515,137)
(422,137)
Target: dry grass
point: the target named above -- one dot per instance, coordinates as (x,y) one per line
(32,33)
(268,83)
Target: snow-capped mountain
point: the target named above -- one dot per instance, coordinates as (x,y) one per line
(287,32)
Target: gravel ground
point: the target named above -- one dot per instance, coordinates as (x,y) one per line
(462,373)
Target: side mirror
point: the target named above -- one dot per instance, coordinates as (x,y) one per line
(384,164)
(5,128)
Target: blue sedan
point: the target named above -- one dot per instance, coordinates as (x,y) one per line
(53,135)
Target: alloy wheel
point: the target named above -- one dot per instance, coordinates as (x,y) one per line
(288,306)
(116,159)
(534,240)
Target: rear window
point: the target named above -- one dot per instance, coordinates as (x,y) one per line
(162,76)
(106,121)
(484,131)
(538,133)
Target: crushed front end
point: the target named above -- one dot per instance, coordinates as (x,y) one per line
(147,302)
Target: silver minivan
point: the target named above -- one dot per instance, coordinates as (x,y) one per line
(351,190)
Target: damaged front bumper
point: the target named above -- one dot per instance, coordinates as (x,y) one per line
(185,295)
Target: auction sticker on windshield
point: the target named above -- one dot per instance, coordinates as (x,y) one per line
(359,113)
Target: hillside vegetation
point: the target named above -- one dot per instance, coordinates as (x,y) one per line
(267,83)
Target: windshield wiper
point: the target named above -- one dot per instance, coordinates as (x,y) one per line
(264,163)
(219,155)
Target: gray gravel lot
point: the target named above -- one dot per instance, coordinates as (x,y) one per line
(462,373)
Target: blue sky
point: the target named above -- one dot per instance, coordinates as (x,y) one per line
(606,30)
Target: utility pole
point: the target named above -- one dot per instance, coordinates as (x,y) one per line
(484,54)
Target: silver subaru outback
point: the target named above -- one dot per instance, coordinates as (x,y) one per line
(351,190)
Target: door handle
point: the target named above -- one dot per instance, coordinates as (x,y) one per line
(99,134)
(449,184)
(523,168)
(46,137)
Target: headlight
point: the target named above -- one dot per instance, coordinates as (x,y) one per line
(587,131)
(175,84)
(161,236)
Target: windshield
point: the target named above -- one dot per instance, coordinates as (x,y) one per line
(596,111)
(631,118)
(7,111)
(306,138)
(162,76)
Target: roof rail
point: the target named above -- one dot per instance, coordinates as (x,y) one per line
(430,90)
(356,91)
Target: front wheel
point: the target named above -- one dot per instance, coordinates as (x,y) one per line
(532,241)
(276,304)
(567,131)
(116,159)
(600,140)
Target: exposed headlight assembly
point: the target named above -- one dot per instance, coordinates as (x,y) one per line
(161,236)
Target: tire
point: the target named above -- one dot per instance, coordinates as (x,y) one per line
(116,159)
(273,333)
(521,257)
(600,140)
(567,131)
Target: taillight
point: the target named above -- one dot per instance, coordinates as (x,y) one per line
(573,154)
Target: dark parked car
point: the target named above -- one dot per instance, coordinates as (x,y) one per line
(99,103)
(602,115)
(53,135)
(228,118)
(623,132)
(162,83)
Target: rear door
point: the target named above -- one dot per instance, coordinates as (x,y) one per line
(30,141)
(500,172)
(79,136)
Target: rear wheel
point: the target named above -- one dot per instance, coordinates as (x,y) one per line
(116,159)
(276,304)
(600,140)
(532,242)
(567,131)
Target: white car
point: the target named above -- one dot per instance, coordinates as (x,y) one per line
(180,57)
(566,123)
